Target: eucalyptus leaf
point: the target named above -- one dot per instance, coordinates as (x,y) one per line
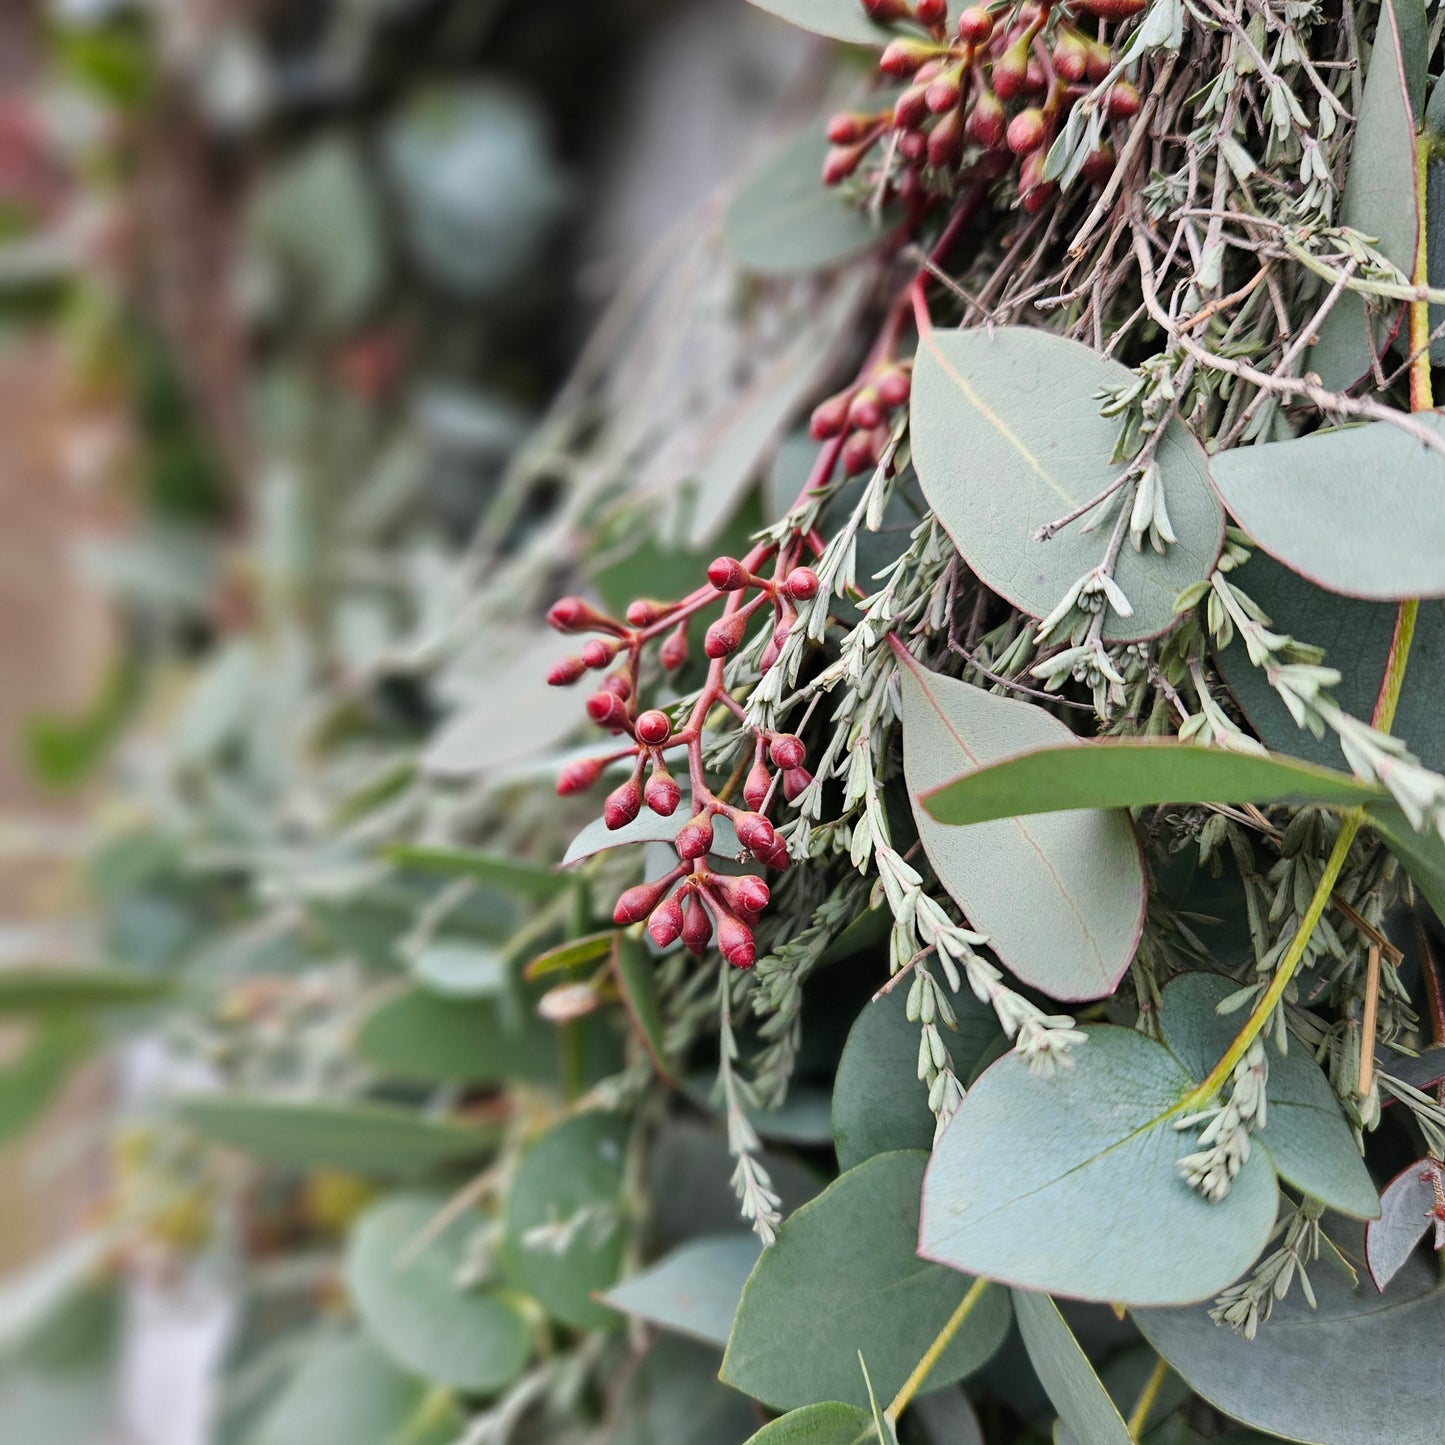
(1358,1369)
(694,1290)
(674,1398)
(636,976)
(879,1103)
(1076,1391)
(524,879)
(1062,897)
(836,19)
(1379,201)
(1357,510)
(563,1235)
(1007,438)
(1134,773)
(648,827)
(1407,1210)
(456,968)
(405,1286)
(1355,636)
(75,990)
(828,1423)
(783,220)
(372,1139)
(346,1390)
(575,953)
(842,1278)
(31,1079)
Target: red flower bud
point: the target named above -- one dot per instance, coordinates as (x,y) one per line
(665,925)
(787,751)
(755,833)
(673,652)
(1026,131)
(1034,192)
(745,894)
(1071,55)
(931,12)
(945,142)
(644,612)
(866,411)
(725,635)
(944,93)
(895,386)
(755,789)
(617,684)
(662,794)
(1123,100)
(577,777)
(842,161)
(913,146)
(623,804)
(696,926)
(780,858)
(653,728)
(885,10)
(606,709)
(694,838)
(903,57)
(795,780)
(830,417)
(801,584)
(975,25)
(910,108)
(860,453)
(1101,60)
(572,614)
(987,121)
(1035,76)
(1098,165)
(727,574)
(770,654)
(636,903)
(566,672)
(735,941)
(599,654)
(846,127)
(1010,70)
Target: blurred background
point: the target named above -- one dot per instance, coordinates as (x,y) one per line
(284,287)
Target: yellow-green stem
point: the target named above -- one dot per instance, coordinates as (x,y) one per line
(1254,1025)
(914,1382)
(1421,398)
(1147,1396)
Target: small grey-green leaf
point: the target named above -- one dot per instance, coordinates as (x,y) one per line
(844,1277)
(784,221)
(1062,896)
(694,1290)
(455,968)
(1007,438)
(1064,1370)
(406,1290)
(1407,1210)
(1358,510)
(827,1423)
(836,19)
(1380,201)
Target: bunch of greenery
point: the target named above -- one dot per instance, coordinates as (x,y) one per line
(1005,954)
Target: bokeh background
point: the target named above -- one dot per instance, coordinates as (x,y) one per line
(284,285)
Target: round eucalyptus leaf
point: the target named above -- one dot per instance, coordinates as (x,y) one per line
(1007,438)
(837,19)
(844,1278)
(675,1398)
(879,1102)
(406,1290)
(1061,896)
(783,220)
(457,968)
(1407,1212)
(695,1289)
(563,1234)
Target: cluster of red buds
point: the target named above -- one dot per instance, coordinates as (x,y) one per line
(693,902)
(862,414)
(985,93)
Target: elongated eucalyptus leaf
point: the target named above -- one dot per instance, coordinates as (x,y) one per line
(1137,773)
(1063,1368)
(1421,853)
(1360,1369)
(647,827)
(65,990)
(674,1398)
(1061,898)
(828,1423)
(1358,510)
(1407,1210)
(524,879)
(837,19)
(563,1232)
(405,1288)
(842,1278)
(783,220)
(1355,636)
(879,1102)
(1379,201)
(694,1290)
(1007,438)
(368,1138)
(636,975)
(30,1080)
(1097,1146)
